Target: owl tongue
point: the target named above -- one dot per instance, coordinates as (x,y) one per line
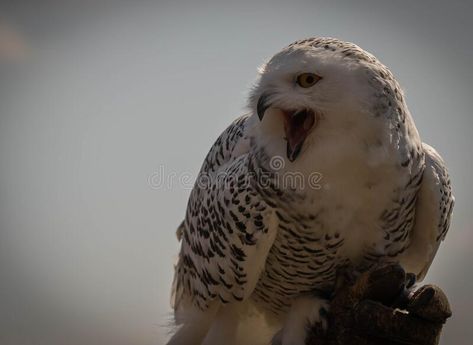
(297,125)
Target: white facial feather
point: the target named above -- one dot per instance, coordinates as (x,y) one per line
(347,100)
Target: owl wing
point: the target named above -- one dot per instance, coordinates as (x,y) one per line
(433,210)
(228,230)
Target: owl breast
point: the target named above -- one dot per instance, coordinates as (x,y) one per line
(339,225)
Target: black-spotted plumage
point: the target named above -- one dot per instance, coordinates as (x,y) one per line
(249,238)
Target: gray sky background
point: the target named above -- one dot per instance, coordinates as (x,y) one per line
(98,99)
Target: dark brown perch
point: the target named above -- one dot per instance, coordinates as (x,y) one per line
(364,312)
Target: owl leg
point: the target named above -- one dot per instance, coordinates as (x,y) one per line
(305,312)
(192,325)
(224,327)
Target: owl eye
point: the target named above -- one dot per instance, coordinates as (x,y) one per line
(306,80)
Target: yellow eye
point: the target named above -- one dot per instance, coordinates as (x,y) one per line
(306,80)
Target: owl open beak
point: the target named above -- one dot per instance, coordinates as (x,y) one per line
(263,105)
(297,125)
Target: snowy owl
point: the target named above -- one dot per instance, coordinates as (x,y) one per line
(325,171)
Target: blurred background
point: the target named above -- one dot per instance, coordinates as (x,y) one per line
(107,109)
